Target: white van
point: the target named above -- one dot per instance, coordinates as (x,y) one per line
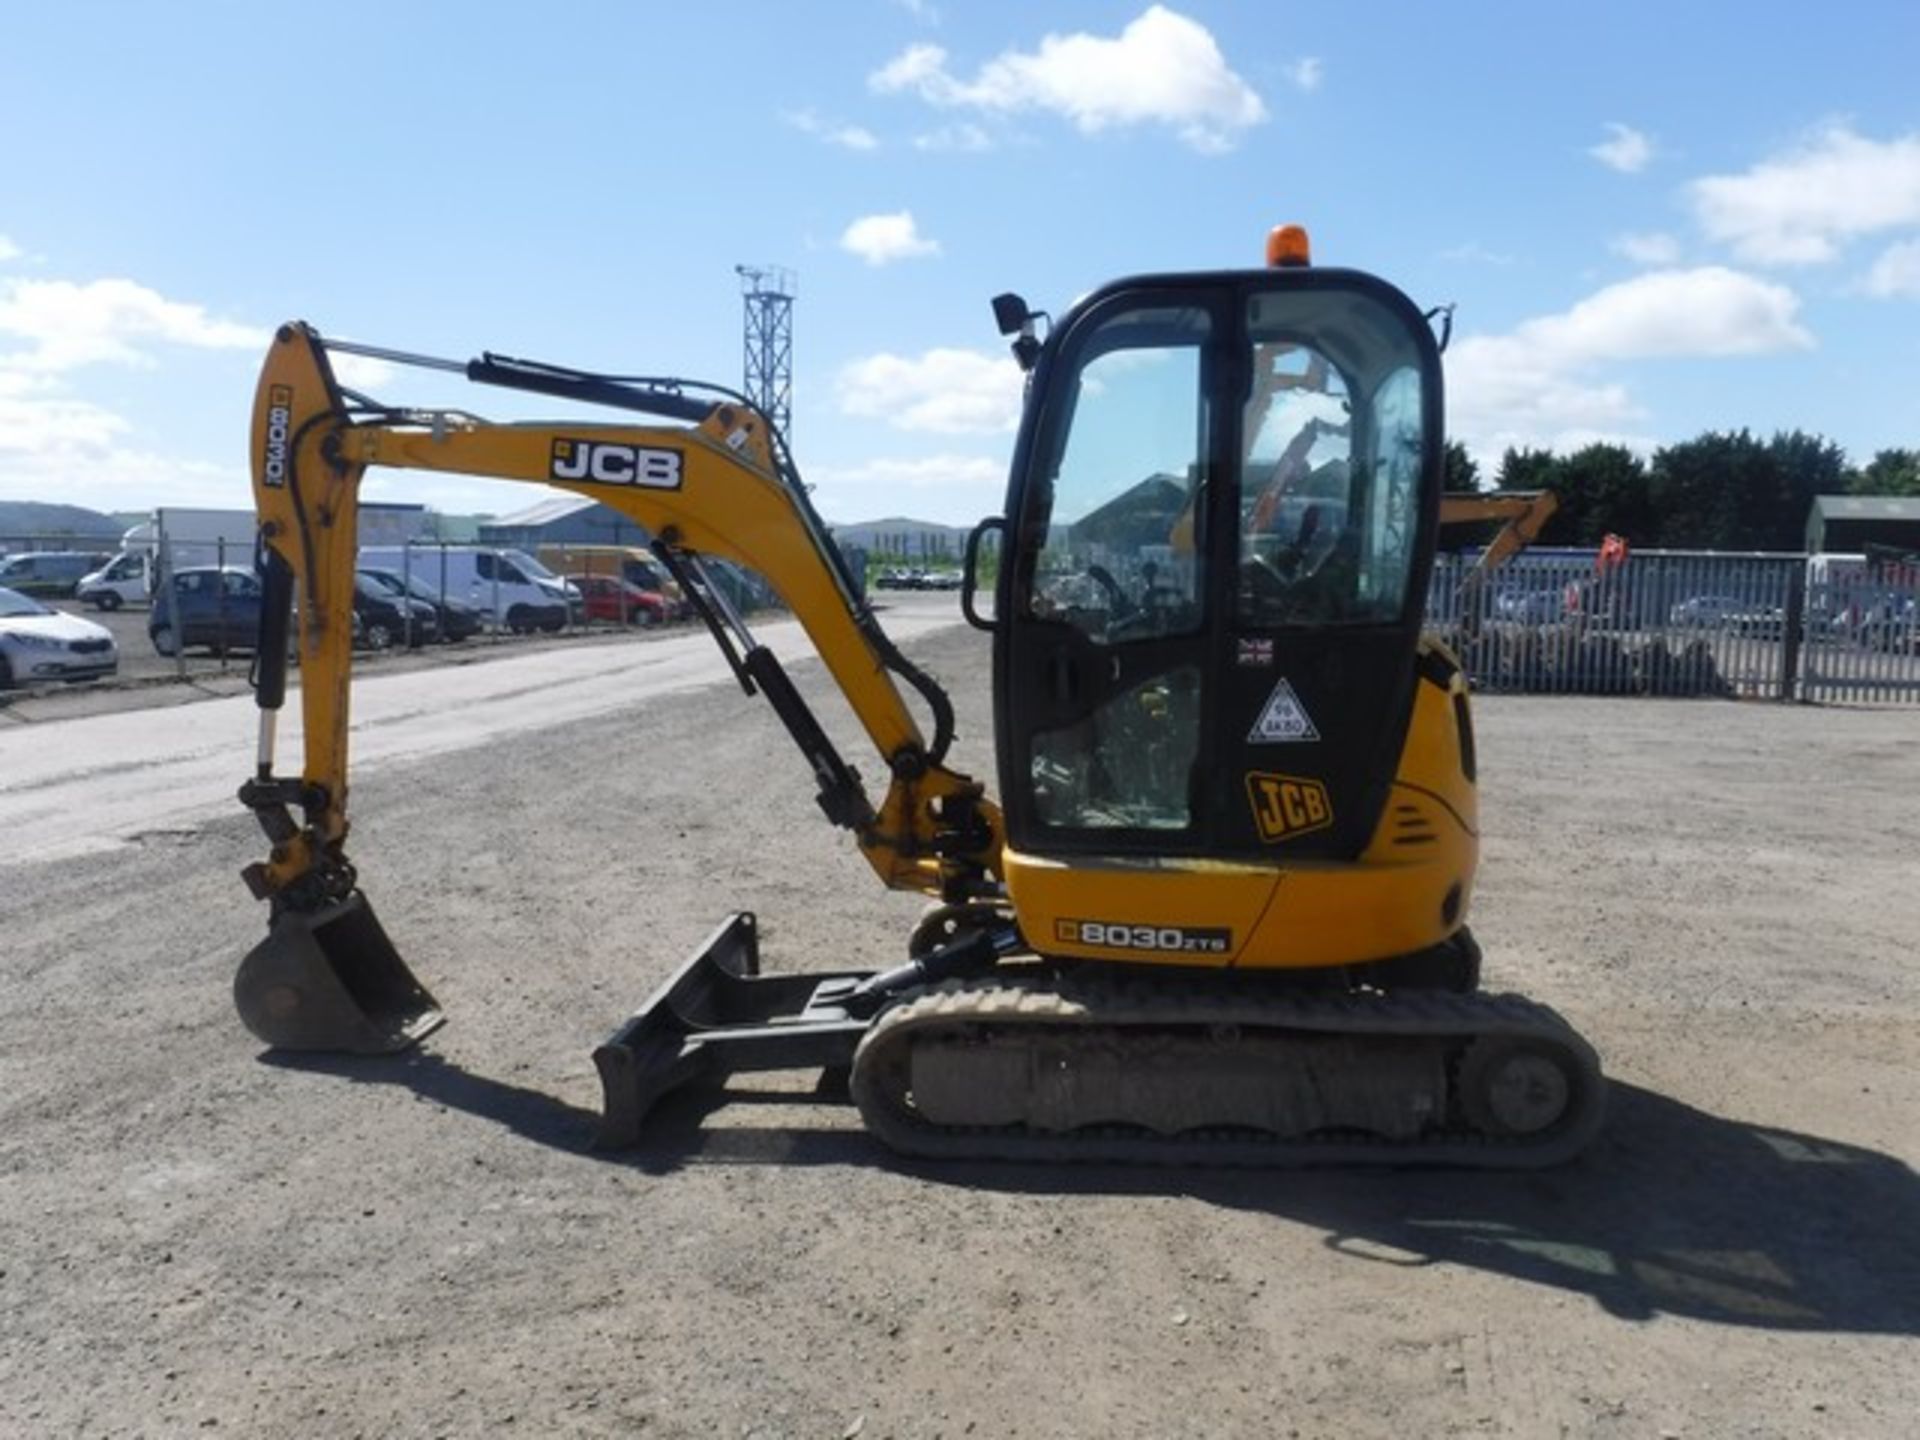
(127,579)
(515,590)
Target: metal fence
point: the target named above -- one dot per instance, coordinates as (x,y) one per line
(1861,640)
(1762,626)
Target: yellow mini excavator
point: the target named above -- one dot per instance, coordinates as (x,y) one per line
(1219,912)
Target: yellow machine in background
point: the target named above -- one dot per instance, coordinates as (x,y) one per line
(1218,912)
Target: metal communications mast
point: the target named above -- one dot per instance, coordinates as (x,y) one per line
(768,292)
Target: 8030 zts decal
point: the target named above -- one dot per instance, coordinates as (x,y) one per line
(273,469)
(1113,935)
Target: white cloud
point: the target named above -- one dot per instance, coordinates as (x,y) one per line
(946,391)
(56,444)
(929,472)
(1538,384)
(361,372)
(1163,68)
(918,67)
(52,426)
(9,250)
(1896,274)
(1625,149)
(55,447)
(1647,248)
(1710,311)
(831,132)
(69,325)
(1474,253)
(1800,207)
(1496,402)
(966,138)
(1306,73)
(882,239)
(950,488)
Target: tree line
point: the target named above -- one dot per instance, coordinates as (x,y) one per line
(1715,492)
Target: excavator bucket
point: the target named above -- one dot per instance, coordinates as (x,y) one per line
(331,980)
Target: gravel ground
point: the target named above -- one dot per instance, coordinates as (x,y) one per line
(198,1239)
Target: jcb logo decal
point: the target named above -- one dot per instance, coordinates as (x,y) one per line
(616,464)
(1287,805)
(273,464)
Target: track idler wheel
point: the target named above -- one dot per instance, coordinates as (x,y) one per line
(1516,1088)
(330,979)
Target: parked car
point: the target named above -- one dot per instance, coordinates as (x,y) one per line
(1884,620)
(630,562)
(54,573)
(388,617)
(206,606)
(457,619)
(603,597)
(511,589)
(1705,610)
(901,577)
(127,579)
(1531,607)
(38,642)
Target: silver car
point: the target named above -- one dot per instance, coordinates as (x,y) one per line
(39,644)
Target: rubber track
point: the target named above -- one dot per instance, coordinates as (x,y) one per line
(1455,1019)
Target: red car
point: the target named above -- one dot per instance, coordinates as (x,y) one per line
(607,597)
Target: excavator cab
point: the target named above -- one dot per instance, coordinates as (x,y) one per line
(1221,526)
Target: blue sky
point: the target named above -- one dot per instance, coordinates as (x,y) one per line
(1655,219)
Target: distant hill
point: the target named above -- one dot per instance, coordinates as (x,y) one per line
(914,539)
(25,519)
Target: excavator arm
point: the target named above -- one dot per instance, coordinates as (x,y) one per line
(719,486)
(1524,514)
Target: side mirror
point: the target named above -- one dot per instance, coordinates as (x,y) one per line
(1013,317)
(970,574)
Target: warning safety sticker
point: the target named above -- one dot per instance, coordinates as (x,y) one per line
(1283,719)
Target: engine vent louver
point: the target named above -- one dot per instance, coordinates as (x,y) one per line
(1411,826)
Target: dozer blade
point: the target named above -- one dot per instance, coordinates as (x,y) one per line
(331,980)
(716,1016)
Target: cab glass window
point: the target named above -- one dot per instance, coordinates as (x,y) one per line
(1331,463)
(1117,557)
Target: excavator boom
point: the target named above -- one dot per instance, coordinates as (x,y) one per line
(327,977)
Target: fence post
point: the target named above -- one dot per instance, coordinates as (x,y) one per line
(165,561)
(220,596)
(1792,625)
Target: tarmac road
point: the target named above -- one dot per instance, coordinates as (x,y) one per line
(200,1239)
(96,781)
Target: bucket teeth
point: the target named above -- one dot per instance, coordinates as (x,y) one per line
(330,979)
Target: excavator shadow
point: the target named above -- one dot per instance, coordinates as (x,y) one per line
(676,1131)
(532,1114)
(1672,1210)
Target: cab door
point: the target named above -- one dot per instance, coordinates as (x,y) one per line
(1101,674)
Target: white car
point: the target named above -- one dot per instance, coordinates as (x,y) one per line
(39,644)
